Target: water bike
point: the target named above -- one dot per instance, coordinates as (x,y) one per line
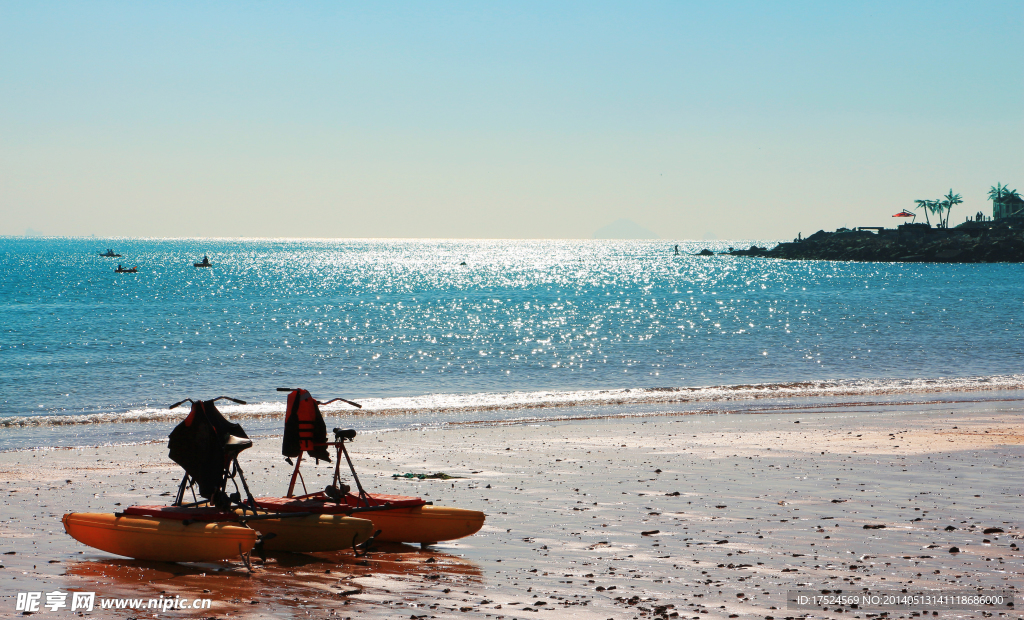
(205,263)
(221,525)
(397,518)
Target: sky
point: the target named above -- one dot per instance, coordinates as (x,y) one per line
(731,120)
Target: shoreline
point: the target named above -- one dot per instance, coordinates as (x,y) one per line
(462,403)
(571,500)
(131,432)
(975,242)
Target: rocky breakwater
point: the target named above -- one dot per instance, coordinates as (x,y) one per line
(914,243)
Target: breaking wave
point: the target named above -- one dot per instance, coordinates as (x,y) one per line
(518,401)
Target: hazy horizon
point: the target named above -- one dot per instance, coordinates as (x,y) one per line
(35,234)
(504,121)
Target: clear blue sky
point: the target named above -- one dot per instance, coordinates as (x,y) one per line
(523,120)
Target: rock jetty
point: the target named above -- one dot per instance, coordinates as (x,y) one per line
(919,243)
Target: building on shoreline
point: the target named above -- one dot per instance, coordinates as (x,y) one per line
(1008,206)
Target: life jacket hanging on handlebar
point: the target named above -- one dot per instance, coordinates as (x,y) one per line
(304,427)
(204,444)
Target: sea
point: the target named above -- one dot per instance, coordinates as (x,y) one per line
(434,332)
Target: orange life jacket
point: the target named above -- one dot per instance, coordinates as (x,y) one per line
(304,427)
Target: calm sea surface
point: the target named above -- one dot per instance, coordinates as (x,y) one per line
(429,330)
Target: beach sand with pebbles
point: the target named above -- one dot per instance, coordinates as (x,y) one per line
(688,516)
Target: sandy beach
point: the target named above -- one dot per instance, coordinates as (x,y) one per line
(689,516)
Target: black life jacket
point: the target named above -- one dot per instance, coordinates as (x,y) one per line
(204,444)
(304,427)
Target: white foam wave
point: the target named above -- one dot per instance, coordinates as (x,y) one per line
(511,401)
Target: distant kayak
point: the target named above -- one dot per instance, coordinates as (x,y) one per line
(109,254)
(205,263)
(121,269)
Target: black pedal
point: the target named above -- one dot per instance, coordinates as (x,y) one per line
(220,500)
(335,494)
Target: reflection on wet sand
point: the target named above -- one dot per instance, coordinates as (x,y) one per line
(398,559)
(287,581)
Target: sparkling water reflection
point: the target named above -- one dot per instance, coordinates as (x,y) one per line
(392,318)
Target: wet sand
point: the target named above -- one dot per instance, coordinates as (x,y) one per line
(703,516)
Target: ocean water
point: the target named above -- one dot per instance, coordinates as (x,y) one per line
(441,331)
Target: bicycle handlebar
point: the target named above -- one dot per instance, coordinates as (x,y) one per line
(326,402)
(190,400)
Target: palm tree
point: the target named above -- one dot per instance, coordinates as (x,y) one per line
(951,201)
(923,204)
(936,207)
(996,193)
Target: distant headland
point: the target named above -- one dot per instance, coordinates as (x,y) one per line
(981,239)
